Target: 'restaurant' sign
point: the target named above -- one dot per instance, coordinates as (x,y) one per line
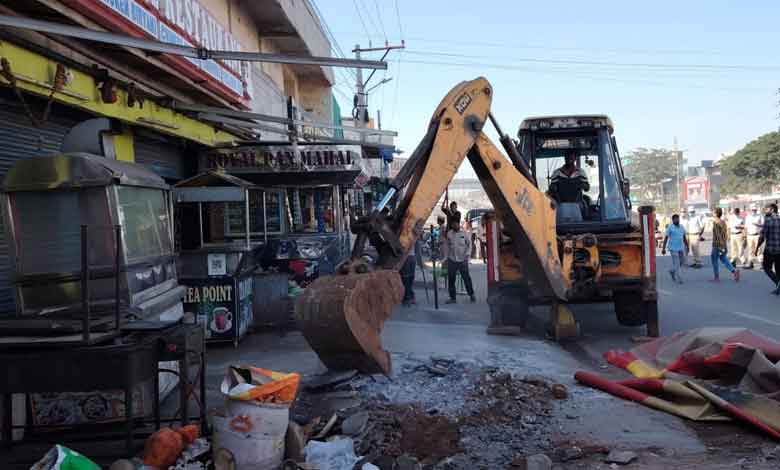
(180,22)
(283,158)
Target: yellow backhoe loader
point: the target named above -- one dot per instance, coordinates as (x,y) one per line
(564,231)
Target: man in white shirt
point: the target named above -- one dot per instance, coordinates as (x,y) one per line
(694,229)
(458,253)
(737,238)
(754,222)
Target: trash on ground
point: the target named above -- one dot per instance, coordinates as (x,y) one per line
(328,427)
(253,424)
(334,455)
(164,447)
(247,383)
(730,360)
(61,458)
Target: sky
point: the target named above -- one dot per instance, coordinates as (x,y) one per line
(703,73)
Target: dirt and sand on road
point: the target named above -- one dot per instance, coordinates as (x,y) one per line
(456,415)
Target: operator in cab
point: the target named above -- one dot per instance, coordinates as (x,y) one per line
(569,182)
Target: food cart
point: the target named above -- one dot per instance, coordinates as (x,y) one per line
(48,200)
(98,303)
(298,210)
(216,267)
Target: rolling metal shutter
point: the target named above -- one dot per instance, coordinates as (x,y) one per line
(20,139)
(159,154)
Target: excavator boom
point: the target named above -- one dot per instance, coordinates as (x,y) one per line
(342,316)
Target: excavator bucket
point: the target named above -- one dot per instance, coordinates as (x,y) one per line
(342,318)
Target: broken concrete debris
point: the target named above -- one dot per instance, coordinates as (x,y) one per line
(560,391)
(329,379)
(568,453)
(621,457)
(533,462)
(355,424)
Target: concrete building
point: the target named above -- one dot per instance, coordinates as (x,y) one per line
(58,82)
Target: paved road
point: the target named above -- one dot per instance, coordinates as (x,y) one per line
(696,303)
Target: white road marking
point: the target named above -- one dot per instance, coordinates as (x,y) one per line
(757,318)
(665,292)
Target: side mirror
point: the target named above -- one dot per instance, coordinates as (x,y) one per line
(626,187)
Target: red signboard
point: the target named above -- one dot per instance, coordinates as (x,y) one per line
(697,189)
(180,22)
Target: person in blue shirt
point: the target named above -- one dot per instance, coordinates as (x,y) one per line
(678,246)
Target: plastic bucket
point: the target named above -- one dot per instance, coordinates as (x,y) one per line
(253,433)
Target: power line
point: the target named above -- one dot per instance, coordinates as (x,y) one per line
(398,18)
(370,17)
(379,16)
(334,43)
(607,63)
(575,74)
(368,36)
(546,47)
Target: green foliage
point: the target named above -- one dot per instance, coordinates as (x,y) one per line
(755,168)
(647,169)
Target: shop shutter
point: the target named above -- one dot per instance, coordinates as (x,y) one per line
(159,154)
(20,139)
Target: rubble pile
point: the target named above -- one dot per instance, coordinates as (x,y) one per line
(441,412)
(507,399)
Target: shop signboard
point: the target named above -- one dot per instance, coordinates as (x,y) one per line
(696,190)
(223,305)
(180,22)
(283,158)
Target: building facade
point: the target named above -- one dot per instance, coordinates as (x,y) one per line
(49,84)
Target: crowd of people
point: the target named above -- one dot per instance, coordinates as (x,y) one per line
(740,241)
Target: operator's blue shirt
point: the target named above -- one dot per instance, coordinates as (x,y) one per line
(675,234)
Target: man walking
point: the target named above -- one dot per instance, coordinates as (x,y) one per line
(694,230)
(678,245)
(737,237)
(754,223)
(458,250)
(720,243)
(770,234)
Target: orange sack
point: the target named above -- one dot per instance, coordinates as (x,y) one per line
(164,447)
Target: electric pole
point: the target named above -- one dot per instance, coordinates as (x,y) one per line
(361,103)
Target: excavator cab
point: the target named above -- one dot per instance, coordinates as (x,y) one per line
(603,205)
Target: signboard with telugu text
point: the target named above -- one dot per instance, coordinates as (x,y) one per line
(180,22)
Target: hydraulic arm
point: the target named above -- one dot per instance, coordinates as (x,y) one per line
(342,316)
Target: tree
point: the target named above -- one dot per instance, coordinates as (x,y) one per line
(653,174)
(755,168)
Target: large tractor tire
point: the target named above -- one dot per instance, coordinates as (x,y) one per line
(631,310)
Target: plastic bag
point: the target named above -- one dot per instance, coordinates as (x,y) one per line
(249,383)
(61,458)
(166,445)
(334,455)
